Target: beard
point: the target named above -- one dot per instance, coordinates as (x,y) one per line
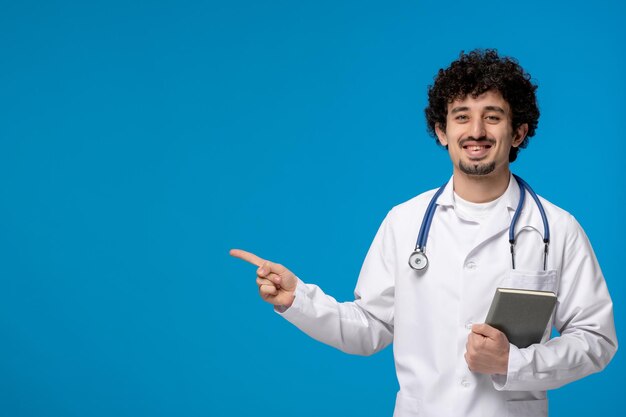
(477,168)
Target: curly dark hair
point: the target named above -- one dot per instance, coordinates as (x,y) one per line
(475,73)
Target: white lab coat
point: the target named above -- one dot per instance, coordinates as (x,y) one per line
(428,314)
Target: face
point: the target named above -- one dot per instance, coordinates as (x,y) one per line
(479,135)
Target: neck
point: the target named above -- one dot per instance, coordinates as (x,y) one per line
(480,188)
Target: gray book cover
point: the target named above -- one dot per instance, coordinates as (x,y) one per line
(522,315)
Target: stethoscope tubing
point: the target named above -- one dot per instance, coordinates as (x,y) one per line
(544,218)
(428,219)
(420,246)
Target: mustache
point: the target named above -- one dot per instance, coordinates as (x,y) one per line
(480,139)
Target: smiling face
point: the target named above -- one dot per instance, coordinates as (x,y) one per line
(479,135)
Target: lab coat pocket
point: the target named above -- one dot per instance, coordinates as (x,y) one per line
(531,280)
(406,406)
(528,408)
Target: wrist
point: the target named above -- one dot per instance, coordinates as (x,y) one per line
(290,300)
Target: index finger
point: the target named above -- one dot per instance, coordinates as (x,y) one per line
(247,256)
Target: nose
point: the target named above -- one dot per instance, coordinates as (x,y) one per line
(478,127)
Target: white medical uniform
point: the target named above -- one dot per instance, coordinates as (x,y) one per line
(428,314)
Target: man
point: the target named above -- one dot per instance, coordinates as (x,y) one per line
(483,110)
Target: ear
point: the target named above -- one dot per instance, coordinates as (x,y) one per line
(520,134)
(441,135)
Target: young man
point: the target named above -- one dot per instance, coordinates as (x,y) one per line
(482,109)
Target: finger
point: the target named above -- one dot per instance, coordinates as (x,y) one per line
(267,290)
(473,341)
(264,269)
(247,256)
(486,330)
(263,281)
(270,268)
(271,279)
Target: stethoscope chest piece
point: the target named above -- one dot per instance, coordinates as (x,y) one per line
(418,260)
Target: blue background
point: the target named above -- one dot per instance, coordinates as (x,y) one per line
(139,141)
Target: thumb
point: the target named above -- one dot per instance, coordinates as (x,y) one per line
(485,330)
(287,280)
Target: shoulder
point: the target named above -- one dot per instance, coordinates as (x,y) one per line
(560,219)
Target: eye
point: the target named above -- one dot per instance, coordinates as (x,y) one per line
(461,118)
(493,118)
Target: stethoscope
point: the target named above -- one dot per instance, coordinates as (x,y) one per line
(418,259)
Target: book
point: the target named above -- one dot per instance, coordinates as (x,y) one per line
(522,315)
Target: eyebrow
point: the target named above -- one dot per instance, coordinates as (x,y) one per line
(459,109)
(495,108)
(487,108)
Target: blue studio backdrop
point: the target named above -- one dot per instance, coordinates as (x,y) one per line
(140,141)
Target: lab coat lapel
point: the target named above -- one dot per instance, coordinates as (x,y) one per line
(500,219)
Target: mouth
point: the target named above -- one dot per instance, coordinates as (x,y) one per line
(476,150)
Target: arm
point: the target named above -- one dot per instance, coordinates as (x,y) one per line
(361,327)
(347,326)
(364,326)
(584,317)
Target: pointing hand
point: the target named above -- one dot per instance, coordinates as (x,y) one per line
(277,284)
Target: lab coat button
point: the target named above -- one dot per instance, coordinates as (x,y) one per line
(470,265)
(465,383)
(468,325)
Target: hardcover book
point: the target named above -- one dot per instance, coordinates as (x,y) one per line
(522,315)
